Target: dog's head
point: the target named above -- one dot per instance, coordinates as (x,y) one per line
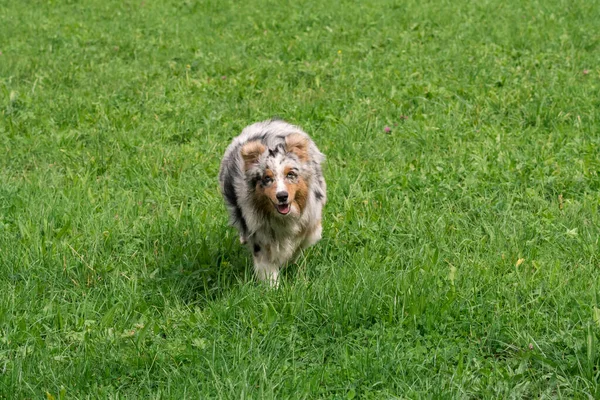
(278,176)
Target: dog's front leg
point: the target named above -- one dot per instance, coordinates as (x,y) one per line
(266,270)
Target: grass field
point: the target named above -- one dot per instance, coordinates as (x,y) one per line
(461,249)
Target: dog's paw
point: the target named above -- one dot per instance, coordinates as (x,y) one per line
(274,279)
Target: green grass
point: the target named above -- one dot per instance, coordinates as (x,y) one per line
(461,251)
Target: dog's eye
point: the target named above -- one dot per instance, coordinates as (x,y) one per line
(291,175)
(267,180)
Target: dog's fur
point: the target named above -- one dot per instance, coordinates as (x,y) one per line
(264,163)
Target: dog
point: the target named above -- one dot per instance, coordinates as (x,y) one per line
(273,186)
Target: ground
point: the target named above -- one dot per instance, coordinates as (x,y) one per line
(461,238)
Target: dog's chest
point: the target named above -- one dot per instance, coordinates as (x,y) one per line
(276,231)
(283,240)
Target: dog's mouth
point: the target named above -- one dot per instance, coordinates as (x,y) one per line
(283,209)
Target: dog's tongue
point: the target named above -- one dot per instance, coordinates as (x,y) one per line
(283,208)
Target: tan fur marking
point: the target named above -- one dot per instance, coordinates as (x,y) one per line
(265,196)
(299,192)
(250,153)
(286,170)
(297,144)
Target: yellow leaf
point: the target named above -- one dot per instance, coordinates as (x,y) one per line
(596,315)
(519,262)
(452,274)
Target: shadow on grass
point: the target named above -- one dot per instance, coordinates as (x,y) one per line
(201,263)
(199,266)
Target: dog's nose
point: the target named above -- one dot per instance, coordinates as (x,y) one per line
(282,196)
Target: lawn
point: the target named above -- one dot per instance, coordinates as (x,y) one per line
(461,247)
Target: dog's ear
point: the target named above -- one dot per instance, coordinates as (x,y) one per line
(298,144)
(250,153)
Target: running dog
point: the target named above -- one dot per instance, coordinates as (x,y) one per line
(274,190)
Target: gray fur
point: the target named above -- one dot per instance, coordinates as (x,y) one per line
(277,237)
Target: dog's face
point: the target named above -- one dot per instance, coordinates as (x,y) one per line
(276,175)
